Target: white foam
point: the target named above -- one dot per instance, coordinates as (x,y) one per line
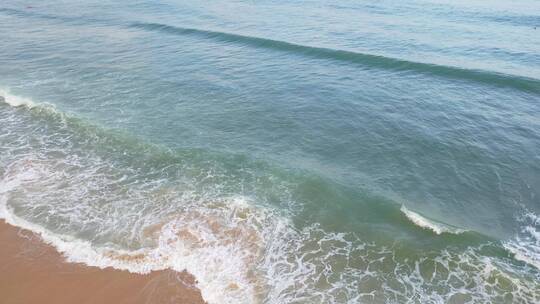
(244,254)
(16,101)
(219,243)
(221,265)
(426,223)
(73,249)
(526,244)
(220,248)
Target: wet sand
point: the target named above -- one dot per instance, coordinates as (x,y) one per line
(34,272)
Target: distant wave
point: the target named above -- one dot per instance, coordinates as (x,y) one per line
(423,222)
(492,78)
(77,20)
(483,76)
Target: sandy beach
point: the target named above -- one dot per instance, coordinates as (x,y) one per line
(34,272)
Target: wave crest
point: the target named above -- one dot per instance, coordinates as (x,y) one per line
(425,223)
(14,100)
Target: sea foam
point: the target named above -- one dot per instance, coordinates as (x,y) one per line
(425,223)
(220,242)
(525,246)
(241,253)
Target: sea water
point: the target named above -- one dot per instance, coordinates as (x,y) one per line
(281,151)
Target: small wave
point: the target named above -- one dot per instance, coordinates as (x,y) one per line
(78,20)
(15,101)
(425,223)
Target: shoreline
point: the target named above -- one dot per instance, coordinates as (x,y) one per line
(34,272)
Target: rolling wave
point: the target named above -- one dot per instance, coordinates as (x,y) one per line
(531,85)
(377,61)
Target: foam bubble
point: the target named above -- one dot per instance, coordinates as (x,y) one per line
(426,223)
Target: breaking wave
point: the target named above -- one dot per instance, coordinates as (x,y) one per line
(139,210)
(526,245)
(15,101)
(429,224)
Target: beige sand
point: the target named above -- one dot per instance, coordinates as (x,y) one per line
(33,272)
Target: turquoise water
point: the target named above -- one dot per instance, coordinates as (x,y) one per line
(306,152)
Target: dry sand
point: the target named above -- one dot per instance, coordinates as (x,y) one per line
(34,272)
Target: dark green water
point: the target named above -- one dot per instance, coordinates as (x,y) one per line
(307,152)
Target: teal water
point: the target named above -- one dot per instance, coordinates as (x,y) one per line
(306,152)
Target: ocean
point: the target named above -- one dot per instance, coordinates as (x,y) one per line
(281,151)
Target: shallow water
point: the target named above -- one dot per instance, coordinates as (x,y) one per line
(307,152)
